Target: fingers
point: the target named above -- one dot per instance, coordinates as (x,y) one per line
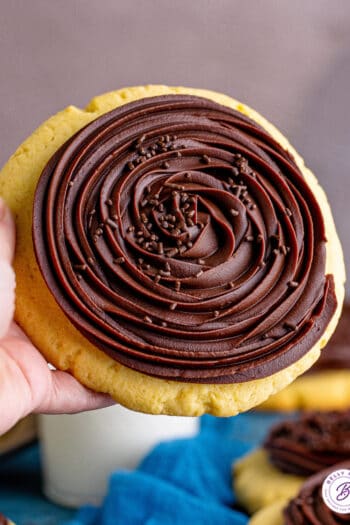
(7,276)
(15,331)
(32,387)
(68,396)
(54,392)
(7,233)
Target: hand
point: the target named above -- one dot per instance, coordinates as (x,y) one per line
(27,385)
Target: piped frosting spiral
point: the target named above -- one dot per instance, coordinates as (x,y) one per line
(309,507)
(316,440)
(180,238)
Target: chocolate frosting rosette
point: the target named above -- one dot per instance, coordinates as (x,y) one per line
(181,239)
(314,442)
(309,507)
(323,499)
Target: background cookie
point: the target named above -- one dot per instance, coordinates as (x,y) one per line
(308,506)
(271,515)
(257,483)
(64,346)
(293,450)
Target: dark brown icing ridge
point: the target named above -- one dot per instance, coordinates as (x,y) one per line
(336,355)
(311,443)
(180,238)
(309,508)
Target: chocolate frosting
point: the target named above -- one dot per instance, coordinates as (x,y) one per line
(179,237)
(311,443)
(336,355)
(309,508)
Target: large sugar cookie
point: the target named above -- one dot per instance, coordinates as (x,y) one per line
(208,314)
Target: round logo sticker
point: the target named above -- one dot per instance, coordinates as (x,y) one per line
(336,491)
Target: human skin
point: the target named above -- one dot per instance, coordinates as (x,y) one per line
(27,385)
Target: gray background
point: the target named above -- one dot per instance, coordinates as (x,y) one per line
(288,59)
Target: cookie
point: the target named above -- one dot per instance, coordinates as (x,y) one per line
(315,441)
(258,484)
(293,450)
(326,386)
(270,515)
(165,261)
(308,507)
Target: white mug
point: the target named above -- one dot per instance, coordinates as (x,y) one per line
(80,451)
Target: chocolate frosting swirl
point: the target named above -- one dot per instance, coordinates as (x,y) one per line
(309,508)
(313,442)
(180,238)
(336,355)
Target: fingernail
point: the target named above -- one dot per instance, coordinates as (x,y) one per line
(2,208)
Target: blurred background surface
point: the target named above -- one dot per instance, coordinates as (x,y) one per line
(289,60)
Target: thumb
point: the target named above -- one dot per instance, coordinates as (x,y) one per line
(7,276)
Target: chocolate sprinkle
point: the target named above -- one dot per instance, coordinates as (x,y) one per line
(119,260)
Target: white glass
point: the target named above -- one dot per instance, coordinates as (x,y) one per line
(80,451)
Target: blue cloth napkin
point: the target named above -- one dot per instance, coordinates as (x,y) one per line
(182,482)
